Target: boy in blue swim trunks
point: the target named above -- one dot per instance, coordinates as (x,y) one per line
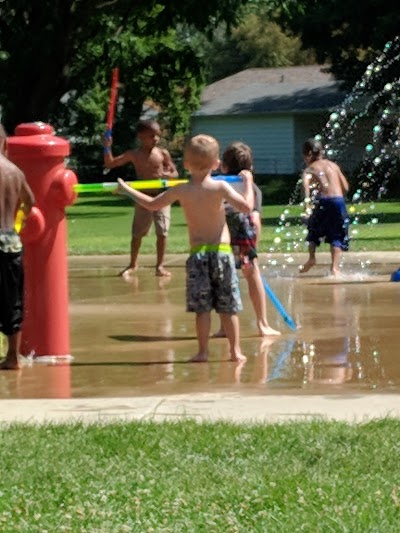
(244,229)
(211,279)
(328,219)
(14,191)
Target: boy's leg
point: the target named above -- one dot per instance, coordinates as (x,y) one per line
(161,247)
(258,300)
(336,254)
(230,324)
(162,221)
(203,324)
(140,227)
(11,361)
(311,260)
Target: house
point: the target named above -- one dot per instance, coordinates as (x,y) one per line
(274,110)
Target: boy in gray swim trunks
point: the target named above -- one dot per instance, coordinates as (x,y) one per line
(211,278)
(14,190)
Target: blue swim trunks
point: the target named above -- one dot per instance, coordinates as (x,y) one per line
(329,222)
(212,281)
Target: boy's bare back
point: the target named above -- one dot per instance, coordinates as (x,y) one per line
(329,176)
(204,211)
(13,191)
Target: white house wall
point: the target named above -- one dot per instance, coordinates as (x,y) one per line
(271,138)
(306,126)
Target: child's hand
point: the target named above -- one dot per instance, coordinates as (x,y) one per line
(246,175)
(107,141)
(120,188)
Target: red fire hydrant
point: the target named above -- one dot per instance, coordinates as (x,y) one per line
(40,154)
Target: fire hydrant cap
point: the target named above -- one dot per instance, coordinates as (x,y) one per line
(37,139)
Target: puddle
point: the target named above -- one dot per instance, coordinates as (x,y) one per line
(132,339)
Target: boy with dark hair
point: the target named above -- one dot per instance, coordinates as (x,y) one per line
(15,193)
(150,162)
(237,159)
(328,220)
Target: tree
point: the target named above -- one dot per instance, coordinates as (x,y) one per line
(56,58)
(347,34)
(255,42)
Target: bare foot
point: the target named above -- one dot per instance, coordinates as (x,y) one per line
(307,266)
(161,271)
(237,358)
(335,272)
(267,331)
(220,334)
(127,272)
(10,364)
(199,358)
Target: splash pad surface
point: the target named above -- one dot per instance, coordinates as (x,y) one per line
(134,339)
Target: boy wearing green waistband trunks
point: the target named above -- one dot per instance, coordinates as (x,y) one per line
(211,279)
(14,191)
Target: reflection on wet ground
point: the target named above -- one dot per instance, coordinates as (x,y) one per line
(131,339)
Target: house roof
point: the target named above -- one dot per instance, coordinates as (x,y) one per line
(272,90)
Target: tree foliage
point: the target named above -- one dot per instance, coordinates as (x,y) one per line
(56,58)
(256,42)
(346,33)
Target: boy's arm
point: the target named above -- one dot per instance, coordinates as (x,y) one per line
(306,179)
(248,182)
(235,199)
(151,203)
(27,197)
(344,183)
(169,168)
(112,162)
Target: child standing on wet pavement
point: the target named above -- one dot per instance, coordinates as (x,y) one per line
(150,162)
(328,220)
(211,278)
(15,193)
(244,229)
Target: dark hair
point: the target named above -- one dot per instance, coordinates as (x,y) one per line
(147,125)
(237,157)
(312,147)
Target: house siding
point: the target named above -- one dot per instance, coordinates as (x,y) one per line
(271,138)
(306,126)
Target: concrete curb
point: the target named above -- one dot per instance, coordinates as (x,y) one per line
(210,407)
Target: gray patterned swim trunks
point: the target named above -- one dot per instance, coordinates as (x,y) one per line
(212,281)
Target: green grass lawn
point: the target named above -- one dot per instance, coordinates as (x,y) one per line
(101,224)
(189,477)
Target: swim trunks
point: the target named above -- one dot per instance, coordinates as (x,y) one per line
(11,282)
(329,222)
(211,280)
(243,237)
(242,228)
(143,218)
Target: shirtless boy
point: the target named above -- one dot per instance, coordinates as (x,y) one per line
(329,219)
(14,193)
(211,278)
(150,162)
